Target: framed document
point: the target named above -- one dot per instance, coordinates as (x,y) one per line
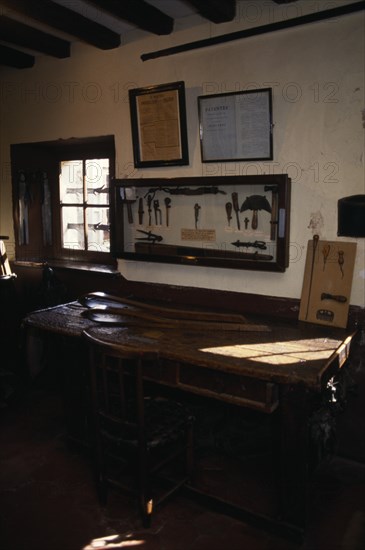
(236,126)
(159,131)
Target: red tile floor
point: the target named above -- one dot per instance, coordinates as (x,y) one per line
(48,502)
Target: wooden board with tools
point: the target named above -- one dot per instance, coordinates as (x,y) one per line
(327,282)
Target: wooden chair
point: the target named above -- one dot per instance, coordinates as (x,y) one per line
(138,438)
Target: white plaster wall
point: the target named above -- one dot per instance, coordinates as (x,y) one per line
(317,75)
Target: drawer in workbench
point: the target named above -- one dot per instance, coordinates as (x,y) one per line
(241,390)
(165,372)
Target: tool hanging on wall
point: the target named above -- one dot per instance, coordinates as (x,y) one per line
(46,210)
(326,286)
(23,204)
(92,226)
(236,208)
(325,251)
(140,211)
(335,297)
(149,236)
(158,213)
(192,253)
(127,196)
(167,202)
(274,209)
(313,259)
(196,214)
(229,212)
(256,244)
(256,203)
(246,222)
(341,261)
(325,315)
(149,207)
(212,190)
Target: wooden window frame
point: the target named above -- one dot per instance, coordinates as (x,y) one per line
(48,155)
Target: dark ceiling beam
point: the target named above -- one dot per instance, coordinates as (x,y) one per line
(257,31)
(139,13)
(22,35)
(67,21)
(14,58)
(215,10)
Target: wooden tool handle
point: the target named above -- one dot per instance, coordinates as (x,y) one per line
(255,219)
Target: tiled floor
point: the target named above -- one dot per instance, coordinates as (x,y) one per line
(48,502)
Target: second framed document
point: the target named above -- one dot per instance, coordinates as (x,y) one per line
(236,126)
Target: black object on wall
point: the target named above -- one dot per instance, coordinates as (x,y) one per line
(351,216)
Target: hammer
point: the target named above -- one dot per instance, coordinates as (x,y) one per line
(256,203)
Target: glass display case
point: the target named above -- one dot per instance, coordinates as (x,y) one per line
(240,222)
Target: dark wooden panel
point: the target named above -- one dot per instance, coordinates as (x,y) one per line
(17,33)
(253,393)
(67,21)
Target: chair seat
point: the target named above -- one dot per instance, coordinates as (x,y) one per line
(165,423)
(166,420)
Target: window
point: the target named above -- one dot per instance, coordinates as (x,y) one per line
(61,199)
(84,204)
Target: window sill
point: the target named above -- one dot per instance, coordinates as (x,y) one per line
(72,266)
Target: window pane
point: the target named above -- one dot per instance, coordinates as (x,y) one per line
(73,228)
(71,182)
(97,181)
(98,229)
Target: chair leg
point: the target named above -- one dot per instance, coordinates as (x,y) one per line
(189,454)
(100,476)
(144,493)
(102,488)
(146,511)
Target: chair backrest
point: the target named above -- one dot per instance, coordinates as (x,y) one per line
(118,390)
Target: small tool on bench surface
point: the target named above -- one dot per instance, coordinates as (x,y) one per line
(335,297)
(123,311)
(149,236)
(236,208)
(256,203)
(93,299)
(274,209)
(255,244)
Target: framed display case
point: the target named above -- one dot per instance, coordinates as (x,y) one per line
(240,222)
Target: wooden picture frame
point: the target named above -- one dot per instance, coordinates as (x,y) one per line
(158,122)
(236,126)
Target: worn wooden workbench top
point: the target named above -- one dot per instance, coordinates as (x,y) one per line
(287,353)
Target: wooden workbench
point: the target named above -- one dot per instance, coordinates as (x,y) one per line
(280,371)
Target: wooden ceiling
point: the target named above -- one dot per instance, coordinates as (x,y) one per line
(32,27)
